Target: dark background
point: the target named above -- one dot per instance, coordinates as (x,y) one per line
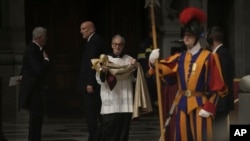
(62,18)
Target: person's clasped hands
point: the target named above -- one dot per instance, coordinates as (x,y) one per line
(45,56)
(104,68)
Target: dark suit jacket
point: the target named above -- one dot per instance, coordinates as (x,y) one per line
(226,103)
(34,70)
(93,48)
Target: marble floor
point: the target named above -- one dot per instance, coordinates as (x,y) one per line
(145,128)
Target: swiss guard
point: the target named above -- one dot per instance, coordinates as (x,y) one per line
(199,80)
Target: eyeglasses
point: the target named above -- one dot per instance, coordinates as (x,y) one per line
(117,44)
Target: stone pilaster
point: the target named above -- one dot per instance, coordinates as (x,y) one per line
(12,44)
(241,37)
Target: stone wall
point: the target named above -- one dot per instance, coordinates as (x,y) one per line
(12,43)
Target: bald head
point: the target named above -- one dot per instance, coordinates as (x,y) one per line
(86,29)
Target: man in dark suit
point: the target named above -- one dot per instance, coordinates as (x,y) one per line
(88,84)
(225,104)
(34,70)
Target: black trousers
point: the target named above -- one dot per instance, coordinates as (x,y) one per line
(36,114)
(92,106)
(114,127)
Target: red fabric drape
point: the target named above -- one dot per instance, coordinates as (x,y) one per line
(168,95)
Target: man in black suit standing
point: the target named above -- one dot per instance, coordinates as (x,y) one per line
(225,104)
(33,83)
(88,84)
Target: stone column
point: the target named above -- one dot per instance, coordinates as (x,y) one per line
(170,27)
(12,44)
(2,138)
(241,35)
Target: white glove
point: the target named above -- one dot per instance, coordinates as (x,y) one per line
(154,55)
(204,113)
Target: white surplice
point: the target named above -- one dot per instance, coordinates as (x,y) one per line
(120,99)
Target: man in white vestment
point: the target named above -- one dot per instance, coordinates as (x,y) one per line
(116,94)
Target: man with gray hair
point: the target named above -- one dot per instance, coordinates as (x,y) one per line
(116,93)
(33,82)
